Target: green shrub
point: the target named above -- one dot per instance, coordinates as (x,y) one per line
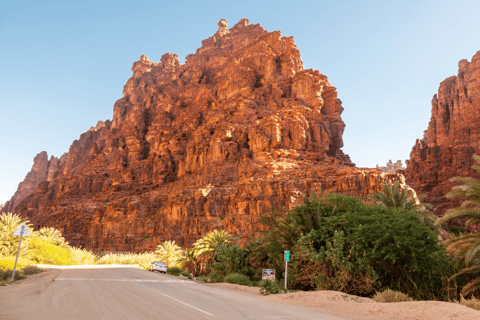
(31,270)
(202,278)
(186,274)
(43,251)
(269,287)
(216,277)
(391,296)
(237,278)
(174,271)
(230,258)
(6,275)
(355,248)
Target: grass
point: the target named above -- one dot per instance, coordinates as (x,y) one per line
(391,296)
(142,259)
(471,303)
(237,278)
(174,271)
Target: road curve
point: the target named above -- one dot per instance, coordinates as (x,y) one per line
(139,294)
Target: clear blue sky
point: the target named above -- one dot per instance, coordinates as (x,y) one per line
(63,64)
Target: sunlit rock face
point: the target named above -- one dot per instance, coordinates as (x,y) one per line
(239,128)
(453,136)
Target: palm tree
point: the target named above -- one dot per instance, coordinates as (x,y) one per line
(209,245)
(393,196)
(52,235)
(466,247)
(9,223)
(170,253)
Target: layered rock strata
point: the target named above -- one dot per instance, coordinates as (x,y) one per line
(452,137)
(43,169)
(240,128)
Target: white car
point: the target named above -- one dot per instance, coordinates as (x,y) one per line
(158,266)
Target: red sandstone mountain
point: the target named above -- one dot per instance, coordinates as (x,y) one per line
(453,136)
(240,128)
(42,170)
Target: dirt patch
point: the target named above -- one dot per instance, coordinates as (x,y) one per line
(17,293)
(346,306)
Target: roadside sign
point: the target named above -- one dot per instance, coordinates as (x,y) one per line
(268,274)
(18,232)
(21,231)
(287,258)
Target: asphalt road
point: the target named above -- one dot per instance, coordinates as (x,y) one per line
(128,293)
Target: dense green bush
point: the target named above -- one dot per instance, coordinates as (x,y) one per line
(174,271)
(339,243)
(269,287)
(237,278)
(230,258)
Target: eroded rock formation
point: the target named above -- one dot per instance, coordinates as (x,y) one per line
(453,136)
(240,128)
(391,167)
(42,170)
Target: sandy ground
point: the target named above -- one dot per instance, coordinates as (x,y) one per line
(346,306)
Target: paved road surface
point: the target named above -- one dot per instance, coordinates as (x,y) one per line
(139,294)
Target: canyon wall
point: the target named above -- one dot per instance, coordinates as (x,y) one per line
(452,137)
(240,128)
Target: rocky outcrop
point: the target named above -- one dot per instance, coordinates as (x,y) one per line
(42,170)
(391,167)
(240,128)
(453,136)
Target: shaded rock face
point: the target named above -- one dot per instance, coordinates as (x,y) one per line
(238,129)
(453,136)
(42,170)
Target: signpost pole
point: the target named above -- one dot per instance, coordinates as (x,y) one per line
(287,258)
(18,251)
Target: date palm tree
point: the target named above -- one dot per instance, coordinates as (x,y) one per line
(170,252)
(52,235)
(9,223)
(466,247)
(393,196)
(209,245)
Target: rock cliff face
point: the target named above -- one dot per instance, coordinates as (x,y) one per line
(239,128)
(42,170)
(453,136)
